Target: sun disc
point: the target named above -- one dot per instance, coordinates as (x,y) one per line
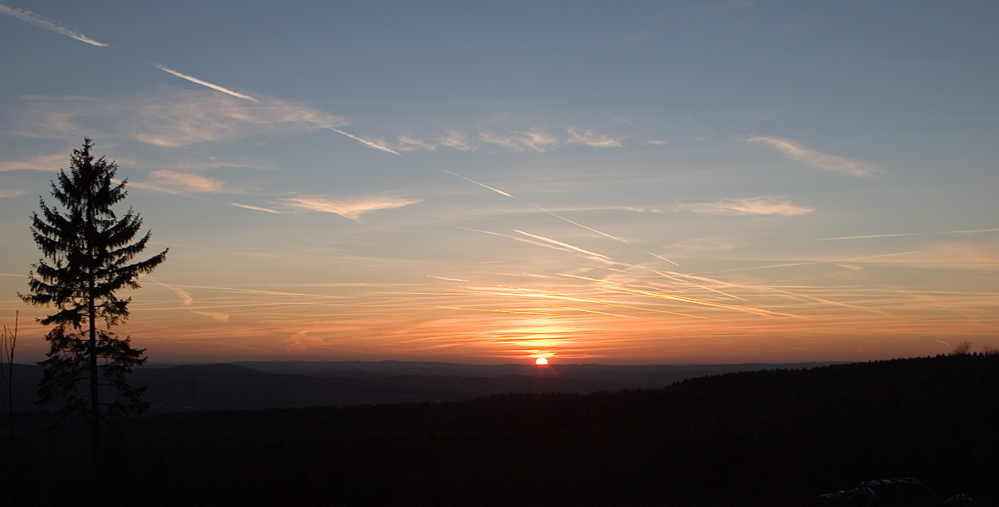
(541,361)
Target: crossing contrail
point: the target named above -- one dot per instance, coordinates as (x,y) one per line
(560,217)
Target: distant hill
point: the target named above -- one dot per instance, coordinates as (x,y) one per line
(255,385)
(776,437)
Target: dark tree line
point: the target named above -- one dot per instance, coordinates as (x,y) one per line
(780,437)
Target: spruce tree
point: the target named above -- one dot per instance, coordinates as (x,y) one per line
(88,254)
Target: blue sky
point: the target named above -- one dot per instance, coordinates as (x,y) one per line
(496,181)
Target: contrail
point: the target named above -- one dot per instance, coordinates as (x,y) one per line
(51,26)
(244,96)
(652,294)
(193,79)
(684,278)
(483,185)
(896,235)
(565,246)
(810,263)
(185,297)
(560,217)
(446,279)
(255,208)
(546,294)
(365,141)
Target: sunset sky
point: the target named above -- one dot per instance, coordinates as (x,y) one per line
(485,182)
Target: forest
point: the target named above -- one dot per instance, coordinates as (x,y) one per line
(773,437)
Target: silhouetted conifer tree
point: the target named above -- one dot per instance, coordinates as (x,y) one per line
(88,251)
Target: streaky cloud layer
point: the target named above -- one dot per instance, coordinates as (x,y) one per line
(51,26)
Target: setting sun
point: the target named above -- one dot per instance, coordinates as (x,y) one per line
(541,361)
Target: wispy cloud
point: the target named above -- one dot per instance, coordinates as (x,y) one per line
(533,140)
(49,25)
(10,192)
(38,163)
(371,144)
(172,118)
(185,182)
(589,137)
(350,208)
(407,143)
(814,158)
(457,140)
(537,139)
(504,142)
(767,205)
(195,80)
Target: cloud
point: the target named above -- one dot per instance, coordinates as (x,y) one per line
(534,140)
(172,118)
(818,159)
(184,182)
(456,140)
(505,142)
(406,143)
(591,138)
(767,205)
(351,208)
(204,83)
(10,192)
(371,144)
(538,140)
(51,26)
(38,163)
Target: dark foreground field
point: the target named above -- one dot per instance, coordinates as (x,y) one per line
(760,438)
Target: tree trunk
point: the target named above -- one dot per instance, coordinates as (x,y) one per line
(95,407)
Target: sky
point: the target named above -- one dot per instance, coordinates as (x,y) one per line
(626,182)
